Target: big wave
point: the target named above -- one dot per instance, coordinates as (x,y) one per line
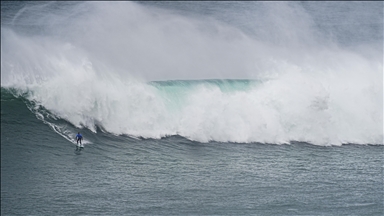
(101,73)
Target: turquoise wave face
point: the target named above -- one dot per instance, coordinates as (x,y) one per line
(225,85)
(176,92)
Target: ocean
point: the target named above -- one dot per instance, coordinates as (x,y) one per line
(192,108)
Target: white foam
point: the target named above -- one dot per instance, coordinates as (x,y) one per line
(93,75)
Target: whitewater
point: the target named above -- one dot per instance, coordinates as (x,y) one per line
(145,71)
(192,108)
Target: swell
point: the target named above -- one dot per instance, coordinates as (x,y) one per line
(229,116)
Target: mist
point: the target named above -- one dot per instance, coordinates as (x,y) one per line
(316,79)
(154,43)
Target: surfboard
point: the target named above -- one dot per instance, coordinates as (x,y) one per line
(79,147)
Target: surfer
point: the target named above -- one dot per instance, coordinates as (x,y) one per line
(79,137)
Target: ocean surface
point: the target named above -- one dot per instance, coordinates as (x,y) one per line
(192,108)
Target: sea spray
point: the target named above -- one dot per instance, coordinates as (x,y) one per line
(92,65)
